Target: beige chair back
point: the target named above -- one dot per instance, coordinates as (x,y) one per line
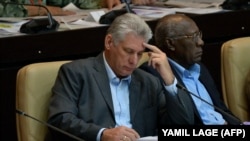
(235,65)
(143,59)
(33,91)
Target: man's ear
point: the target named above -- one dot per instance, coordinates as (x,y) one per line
(170,44)
(108,41)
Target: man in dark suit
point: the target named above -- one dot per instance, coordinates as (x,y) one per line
(108,98)
(180,38)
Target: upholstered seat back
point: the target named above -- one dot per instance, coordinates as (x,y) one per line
(247,89)
(143,59)
(235,65)
(33,91)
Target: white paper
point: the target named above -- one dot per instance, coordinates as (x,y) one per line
(78,11)
(199,10)
(70,7)
(94,16)
(78,25)
(148,138)
(194,3)
(154,14)
(12,27)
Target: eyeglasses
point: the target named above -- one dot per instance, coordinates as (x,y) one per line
(194,36)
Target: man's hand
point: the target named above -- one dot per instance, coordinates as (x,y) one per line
(158,60)
(143,2)
(58,11)
(120,133)
(110,3)
(40,11)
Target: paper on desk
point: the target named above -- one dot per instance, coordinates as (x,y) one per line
(83,18)
(85,23)
(194,3)
(94,16)
(79,24)
(149,7)
(10,28)
(198,10)
(154,14)
(91,14)
(12,19)
(78,11)
(72,7)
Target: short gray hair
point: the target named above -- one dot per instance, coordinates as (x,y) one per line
(129,23)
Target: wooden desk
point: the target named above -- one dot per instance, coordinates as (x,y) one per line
(16,52)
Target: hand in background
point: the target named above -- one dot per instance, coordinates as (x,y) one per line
(58,11)
(159,61)
(143,2)
(110,3)
(40,11)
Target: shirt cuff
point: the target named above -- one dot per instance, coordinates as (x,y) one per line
(99,135)
(172,89)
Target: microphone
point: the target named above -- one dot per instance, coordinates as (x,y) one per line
(53,127)
(109,17)
(41,25)
(128,8)
(236,4)
(217,108)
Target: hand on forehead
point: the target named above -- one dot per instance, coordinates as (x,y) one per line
(152,48)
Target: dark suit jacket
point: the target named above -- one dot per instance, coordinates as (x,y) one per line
(82,104)
(208,82)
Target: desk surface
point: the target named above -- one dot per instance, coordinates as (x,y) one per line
(81,43)
(219,26)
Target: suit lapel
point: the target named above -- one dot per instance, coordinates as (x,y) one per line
(207,84)
(187,96)
(134,96)
(101,78)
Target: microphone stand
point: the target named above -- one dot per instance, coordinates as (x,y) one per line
(217,108)
(38,25)
(45,123)
(109,17)
(128,8)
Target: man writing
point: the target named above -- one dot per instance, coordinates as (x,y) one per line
(108,98)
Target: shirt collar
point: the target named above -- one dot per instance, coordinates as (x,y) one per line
(194,70)
(111,74)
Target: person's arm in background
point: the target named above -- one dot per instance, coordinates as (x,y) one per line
(54,6)
(15,10)
(143,2)
(12,10)
(55,9)
(40,11)
(110,3)
(85,4)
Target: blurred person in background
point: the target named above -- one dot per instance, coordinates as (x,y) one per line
(55,6)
